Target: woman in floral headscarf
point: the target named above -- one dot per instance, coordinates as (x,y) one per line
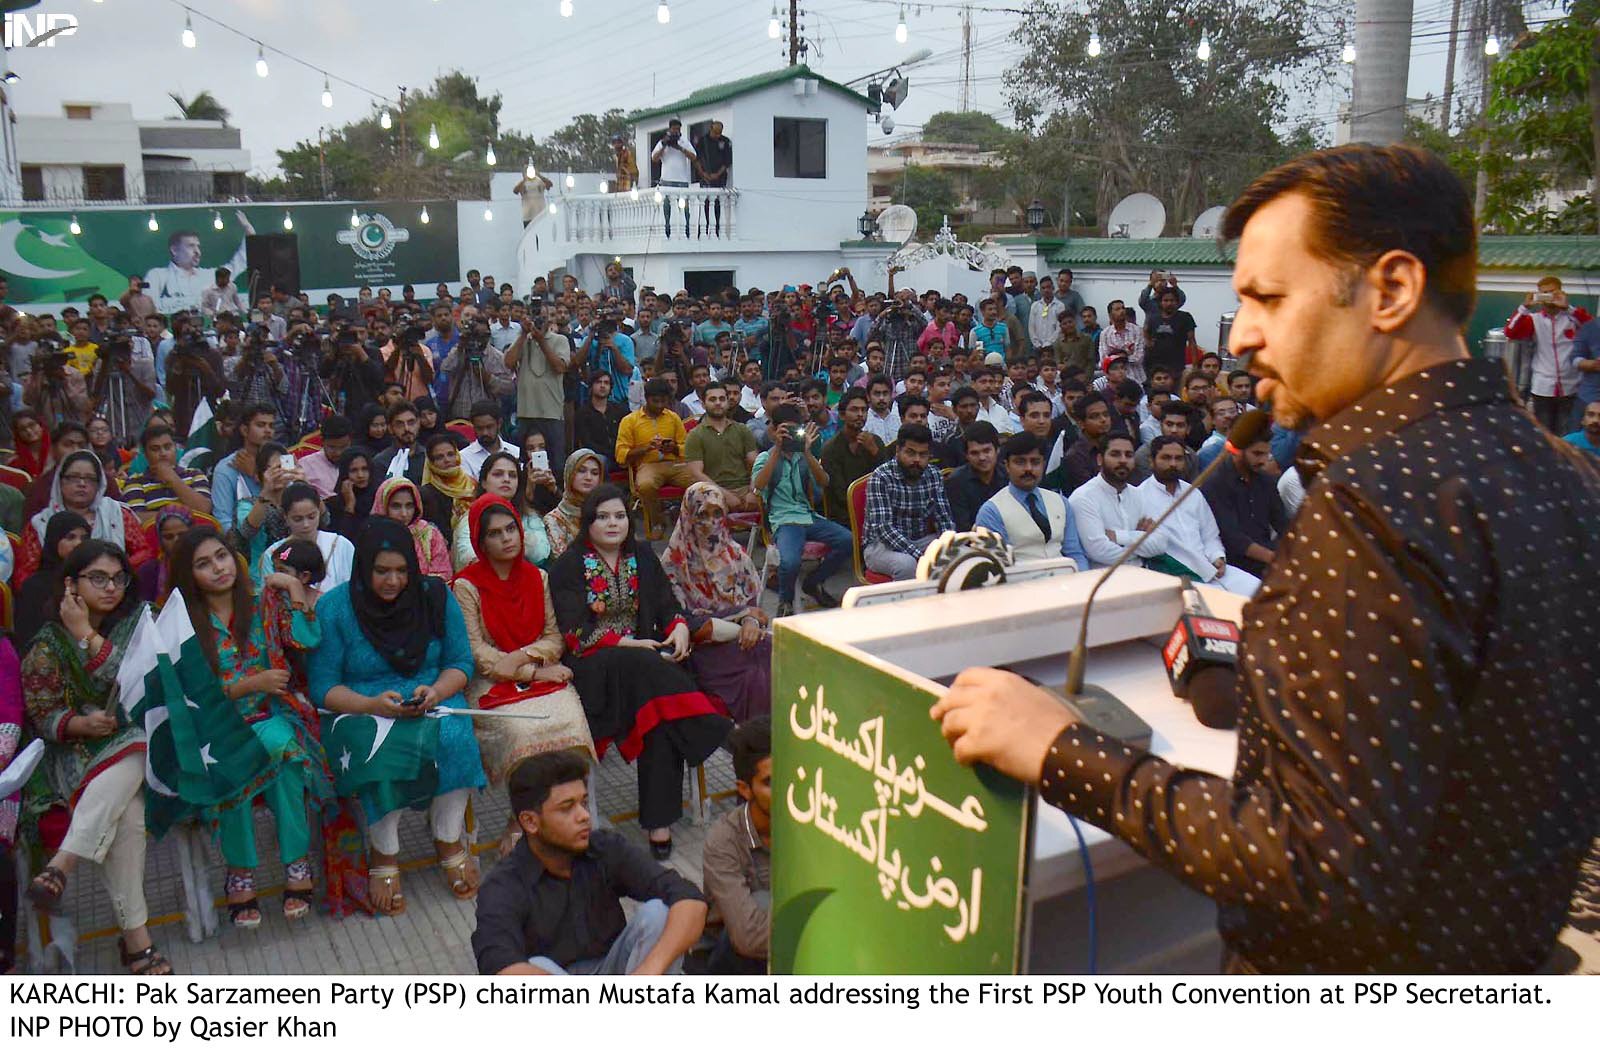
(721,593)
(585,470)
(400,499)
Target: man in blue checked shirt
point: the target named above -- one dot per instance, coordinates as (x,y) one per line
(906,506)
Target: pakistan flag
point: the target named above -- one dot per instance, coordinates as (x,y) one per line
(200,751)
(387,763)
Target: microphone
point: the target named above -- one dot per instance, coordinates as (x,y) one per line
(1249,429)
(1201,656)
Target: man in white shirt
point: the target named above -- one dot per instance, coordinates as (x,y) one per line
(676,158)
(222,297)
(883,416)
(1548,320)
(503,332)
(1108,510)
(988,381)
(1189,538)
(750,390)
(485,421)
(1044,317)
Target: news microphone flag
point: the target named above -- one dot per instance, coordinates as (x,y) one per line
(202,437)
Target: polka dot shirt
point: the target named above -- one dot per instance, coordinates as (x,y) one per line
(1418,774)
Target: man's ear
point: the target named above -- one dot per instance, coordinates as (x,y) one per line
(1398,281)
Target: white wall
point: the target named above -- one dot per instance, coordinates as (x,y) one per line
(764,270)
(489,246)
(57,140)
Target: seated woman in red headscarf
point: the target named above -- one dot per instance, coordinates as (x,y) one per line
(627,638)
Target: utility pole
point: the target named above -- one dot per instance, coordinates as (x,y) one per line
(966,58)
(322,160)
(794,32)
(1383,62)
(1450,67)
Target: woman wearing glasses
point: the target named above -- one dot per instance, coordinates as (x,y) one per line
(95,764)
(80,486)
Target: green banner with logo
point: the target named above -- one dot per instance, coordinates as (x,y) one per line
(46,264)
(888,856)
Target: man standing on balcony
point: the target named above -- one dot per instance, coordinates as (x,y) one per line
(677,159)
(716,160)
(627,168)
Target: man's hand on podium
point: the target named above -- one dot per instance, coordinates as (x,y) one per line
(1001,719)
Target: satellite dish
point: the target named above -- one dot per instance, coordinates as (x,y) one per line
(1137,215)
(897,223)
(1207,223)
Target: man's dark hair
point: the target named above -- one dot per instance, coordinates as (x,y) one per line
(1176,407)
(836,362)
(658,388)
(852,395)
(1074,383)
(155,431)
(879,380)
(750,743)
(914,433)
(961,394)
(906,401)
(395,410)
(981,433)
(1162,369)
(1021,444)
(1161,442)
(1027,398)
(1234,374)
(254,409)
(531,780)
(337,427)
(815,385)
(769,387)
(597,374)
(1130,389)
(1122,436)
(484,407)
(1367,200)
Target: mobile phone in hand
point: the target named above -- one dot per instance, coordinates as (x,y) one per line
(539,458)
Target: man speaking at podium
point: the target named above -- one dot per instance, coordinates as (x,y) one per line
(1417,777)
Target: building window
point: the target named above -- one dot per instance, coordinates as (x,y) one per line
(79,113)
(799,148)
(32,183)
(103,182)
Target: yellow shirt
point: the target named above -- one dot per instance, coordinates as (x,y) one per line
(638,428)
(83,358)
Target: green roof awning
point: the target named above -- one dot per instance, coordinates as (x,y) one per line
(716,93)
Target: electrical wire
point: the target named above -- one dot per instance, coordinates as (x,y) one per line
(1088,889)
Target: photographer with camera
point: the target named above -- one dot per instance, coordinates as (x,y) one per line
(540,358)
(610,350)
(194,371)
(255,375)
(123,385)
(791,479)
(407,360)
(677,159)
(475,370)
(56,390)
(350,370)
(1150,295)
(1549,321)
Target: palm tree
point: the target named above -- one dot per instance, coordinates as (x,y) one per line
(203,107)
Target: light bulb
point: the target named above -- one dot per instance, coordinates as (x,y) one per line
(488,156)
(1491,46)
(216,220)
(571,182)
(566,8)
(153,225)
(288,221)
(553,209)
(488,215)
(188,32)
(1094,45)
(433,136)
(531,172)
(261,61)
(683,203)
(663,14)
(605,187)
(355,220)
(1348,55)
(658,197)
(900,32)
(423,218)
(774,30)
(1203,52)
(633,195)
(74,227)
(327,95)
(385,121)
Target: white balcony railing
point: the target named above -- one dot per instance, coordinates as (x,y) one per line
(641,214)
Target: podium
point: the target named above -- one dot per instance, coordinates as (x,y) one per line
(890,858)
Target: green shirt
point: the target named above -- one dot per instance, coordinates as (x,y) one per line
(785,494)
(722,455)
(843,466)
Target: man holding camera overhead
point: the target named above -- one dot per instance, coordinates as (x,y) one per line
(539,358)
(1551,323)
(677,159)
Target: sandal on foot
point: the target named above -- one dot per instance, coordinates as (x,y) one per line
(390,878)
(461,885)
(47,888)
(146,962)
(237,911)
(297,902)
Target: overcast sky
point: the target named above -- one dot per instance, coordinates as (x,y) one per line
(547,68)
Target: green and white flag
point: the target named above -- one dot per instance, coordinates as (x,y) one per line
(391,763)
(202,434)
(199,749)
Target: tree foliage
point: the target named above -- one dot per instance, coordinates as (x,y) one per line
(932,193)
(1148,114)
(971,128)
(203,107)
(363,160)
